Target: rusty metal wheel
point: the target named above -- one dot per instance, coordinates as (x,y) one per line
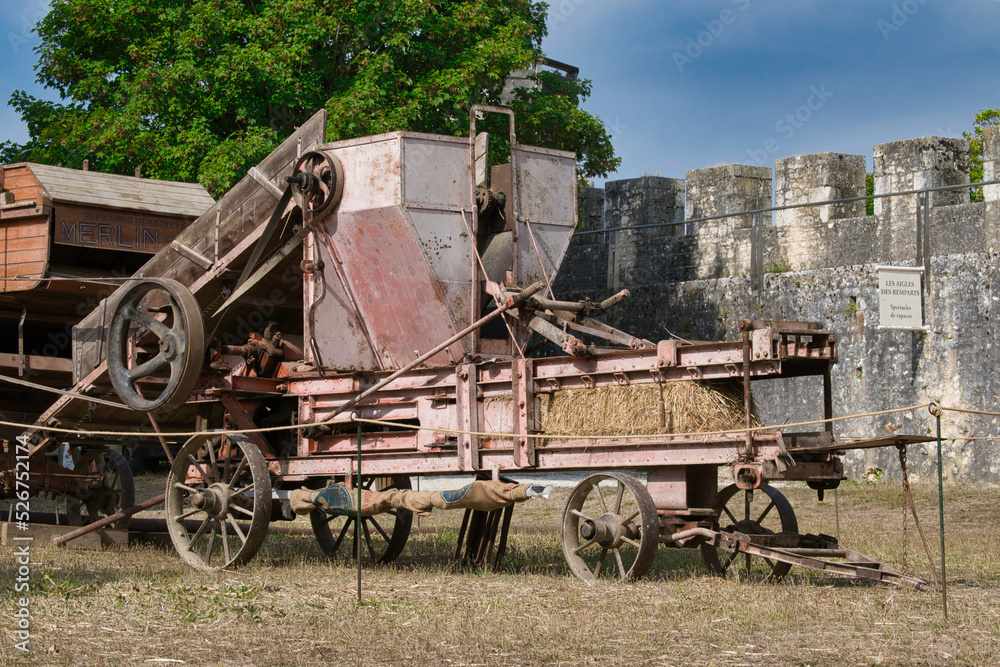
(383,536)
(217,484)
(110,488)
(319,182)
(762,512)
(610,514)
(157,338)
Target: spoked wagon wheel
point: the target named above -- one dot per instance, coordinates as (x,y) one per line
(762,512)
(218,501)
(110,489)
(335,534)
(163,319)
(610,517)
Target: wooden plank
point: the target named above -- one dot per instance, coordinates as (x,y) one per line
(20,178)
(38,363)
(24,268)
(33,227)
(23,253)
(32,243)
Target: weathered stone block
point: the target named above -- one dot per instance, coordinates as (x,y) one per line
(590,214)
(649,200)
(801,179)
(991,161)
(915,164)
(729,188)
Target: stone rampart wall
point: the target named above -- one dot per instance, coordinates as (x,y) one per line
(692,280)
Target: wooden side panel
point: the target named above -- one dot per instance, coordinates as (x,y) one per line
(24,230)
(109,229)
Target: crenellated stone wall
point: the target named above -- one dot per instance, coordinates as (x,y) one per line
(693,281)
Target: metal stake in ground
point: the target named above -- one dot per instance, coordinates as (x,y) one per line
(357,524)
(935,409)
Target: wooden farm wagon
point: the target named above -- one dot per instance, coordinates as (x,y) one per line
(67,238)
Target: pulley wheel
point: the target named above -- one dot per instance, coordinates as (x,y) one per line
(324,185)
(156,340)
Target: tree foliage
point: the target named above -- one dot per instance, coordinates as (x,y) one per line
(203,89)
(984,118)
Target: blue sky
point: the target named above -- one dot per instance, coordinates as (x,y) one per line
(684,84)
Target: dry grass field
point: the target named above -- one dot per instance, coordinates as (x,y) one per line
(291,606)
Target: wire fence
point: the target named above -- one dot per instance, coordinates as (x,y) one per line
(747,237)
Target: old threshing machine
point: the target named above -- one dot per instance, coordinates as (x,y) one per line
(375,302)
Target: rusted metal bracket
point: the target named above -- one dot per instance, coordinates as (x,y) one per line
(467,406)
(807,551)
(569,343)
(244,421)
(22,360)
(523,386)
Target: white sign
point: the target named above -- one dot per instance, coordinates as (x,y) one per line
(899,298)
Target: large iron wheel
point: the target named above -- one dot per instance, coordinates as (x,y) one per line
(383,536)
(610,517)
(162,319)
(217,484)
(762,512)
(110,488)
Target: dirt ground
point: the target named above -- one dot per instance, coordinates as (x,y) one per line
(292,606)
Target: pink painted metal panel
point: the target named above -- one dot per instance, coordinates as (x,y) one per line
(339,330)
(396,292)
(547,186)
(447,250)
(372,173)
(546,215)
(436,172)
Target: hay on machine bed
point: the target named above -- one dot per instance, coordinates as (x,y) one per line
(688,407)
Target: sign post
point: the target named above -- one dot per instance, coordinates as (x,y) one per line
(900,298)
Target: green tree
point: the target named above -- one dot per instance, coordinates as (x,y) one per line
(984,118)
(203,89)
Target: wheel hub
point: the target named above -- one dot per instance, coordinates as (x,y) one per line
(608,531)
(213,500)
(168,347)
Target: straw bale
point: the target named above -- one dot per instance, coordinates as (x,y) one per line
(635,409)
